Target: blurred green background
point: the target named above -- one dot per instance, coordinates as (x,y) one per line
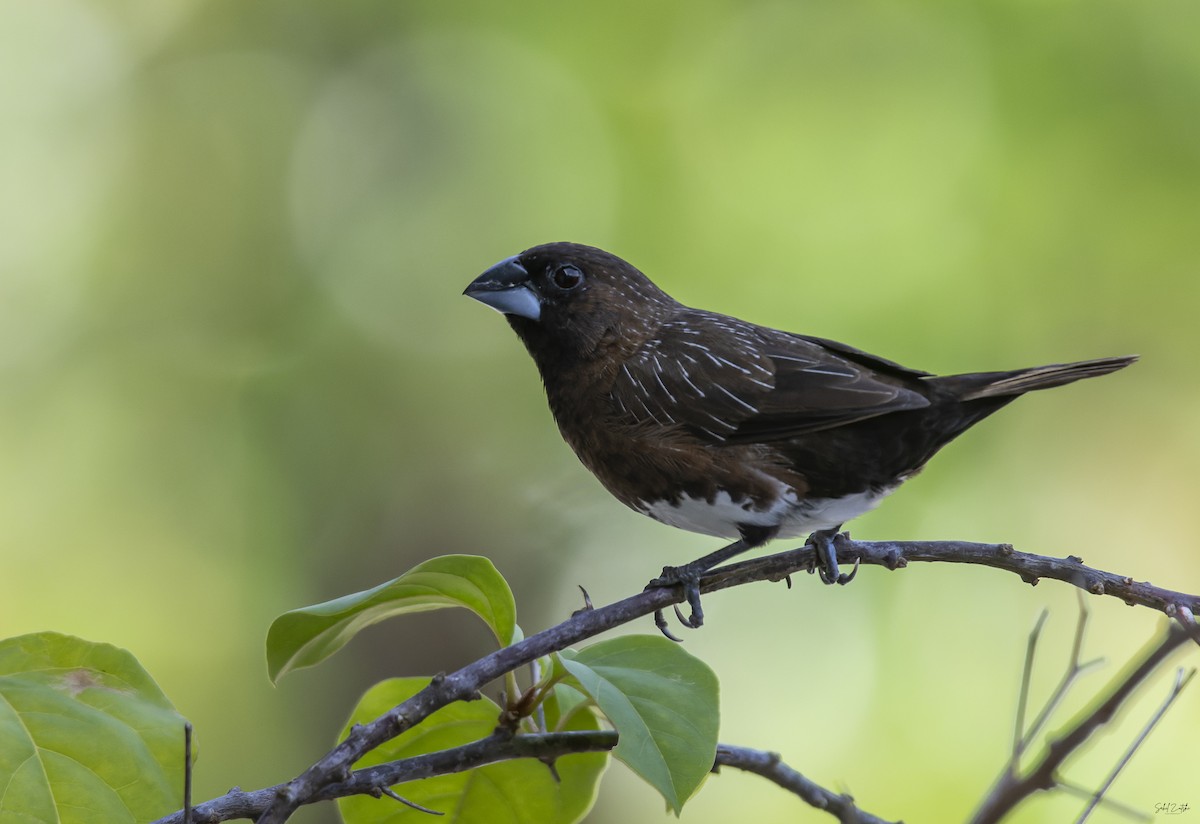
(237,375)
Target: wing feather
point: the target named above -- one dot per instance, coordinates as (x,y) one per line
(728,381)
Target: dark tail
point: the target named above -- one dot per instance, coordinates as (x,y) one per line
(1019,381)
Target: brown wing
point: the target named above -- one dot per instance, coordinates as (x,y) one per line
(729,381)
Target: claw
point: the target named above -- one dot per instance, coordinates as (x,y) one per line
(691,591)
(825,543)
(664,627)
(847,577)
(690,581)
(679,616)
(688,576)
(693,621)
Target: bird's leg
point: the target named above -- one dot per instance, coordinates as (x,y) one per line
(825,542)
(689,576)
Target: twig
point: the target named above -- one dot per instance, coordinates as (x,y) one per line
(1181,681)
(1019,738)
(1115,806)
(1074,670)
(187,772)
(466,682)
(1012,789)
(1023,737)
(769,766)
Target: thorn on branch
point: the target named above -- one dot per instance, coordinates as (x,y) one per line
(552,765)
(390,793)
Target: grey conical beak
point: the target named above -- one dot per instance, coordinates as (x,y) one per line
(505,287)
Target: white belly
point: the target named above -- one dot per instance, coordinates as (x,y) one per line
(794,518)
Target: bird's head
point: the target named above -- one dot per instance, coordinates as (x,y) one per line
(574,303)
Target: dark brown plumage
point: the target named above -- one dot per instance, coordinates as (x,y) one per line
(723,427)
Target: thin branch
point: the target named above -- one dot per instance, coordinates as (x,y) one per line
(1115,806)
(1023,737)
(500,746)
(899,554)
(1181,681)
(1019,737)
(769,766)
(1072,674)
(1012,789)
(462,685)
(187,772)
(466,682)
(239,804)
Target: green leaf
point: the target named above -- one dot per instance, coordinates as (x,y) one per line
(307,636)
(562,702)
(513,792)
(663,703)
(86,735)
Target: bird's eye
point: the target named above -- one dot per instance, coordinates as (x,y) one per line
(567,277)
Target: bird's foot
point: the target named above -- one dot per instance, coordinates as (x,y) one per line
(687,576)
(826,543)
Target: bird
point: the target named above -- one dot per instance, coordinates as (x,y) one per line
(723,427)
